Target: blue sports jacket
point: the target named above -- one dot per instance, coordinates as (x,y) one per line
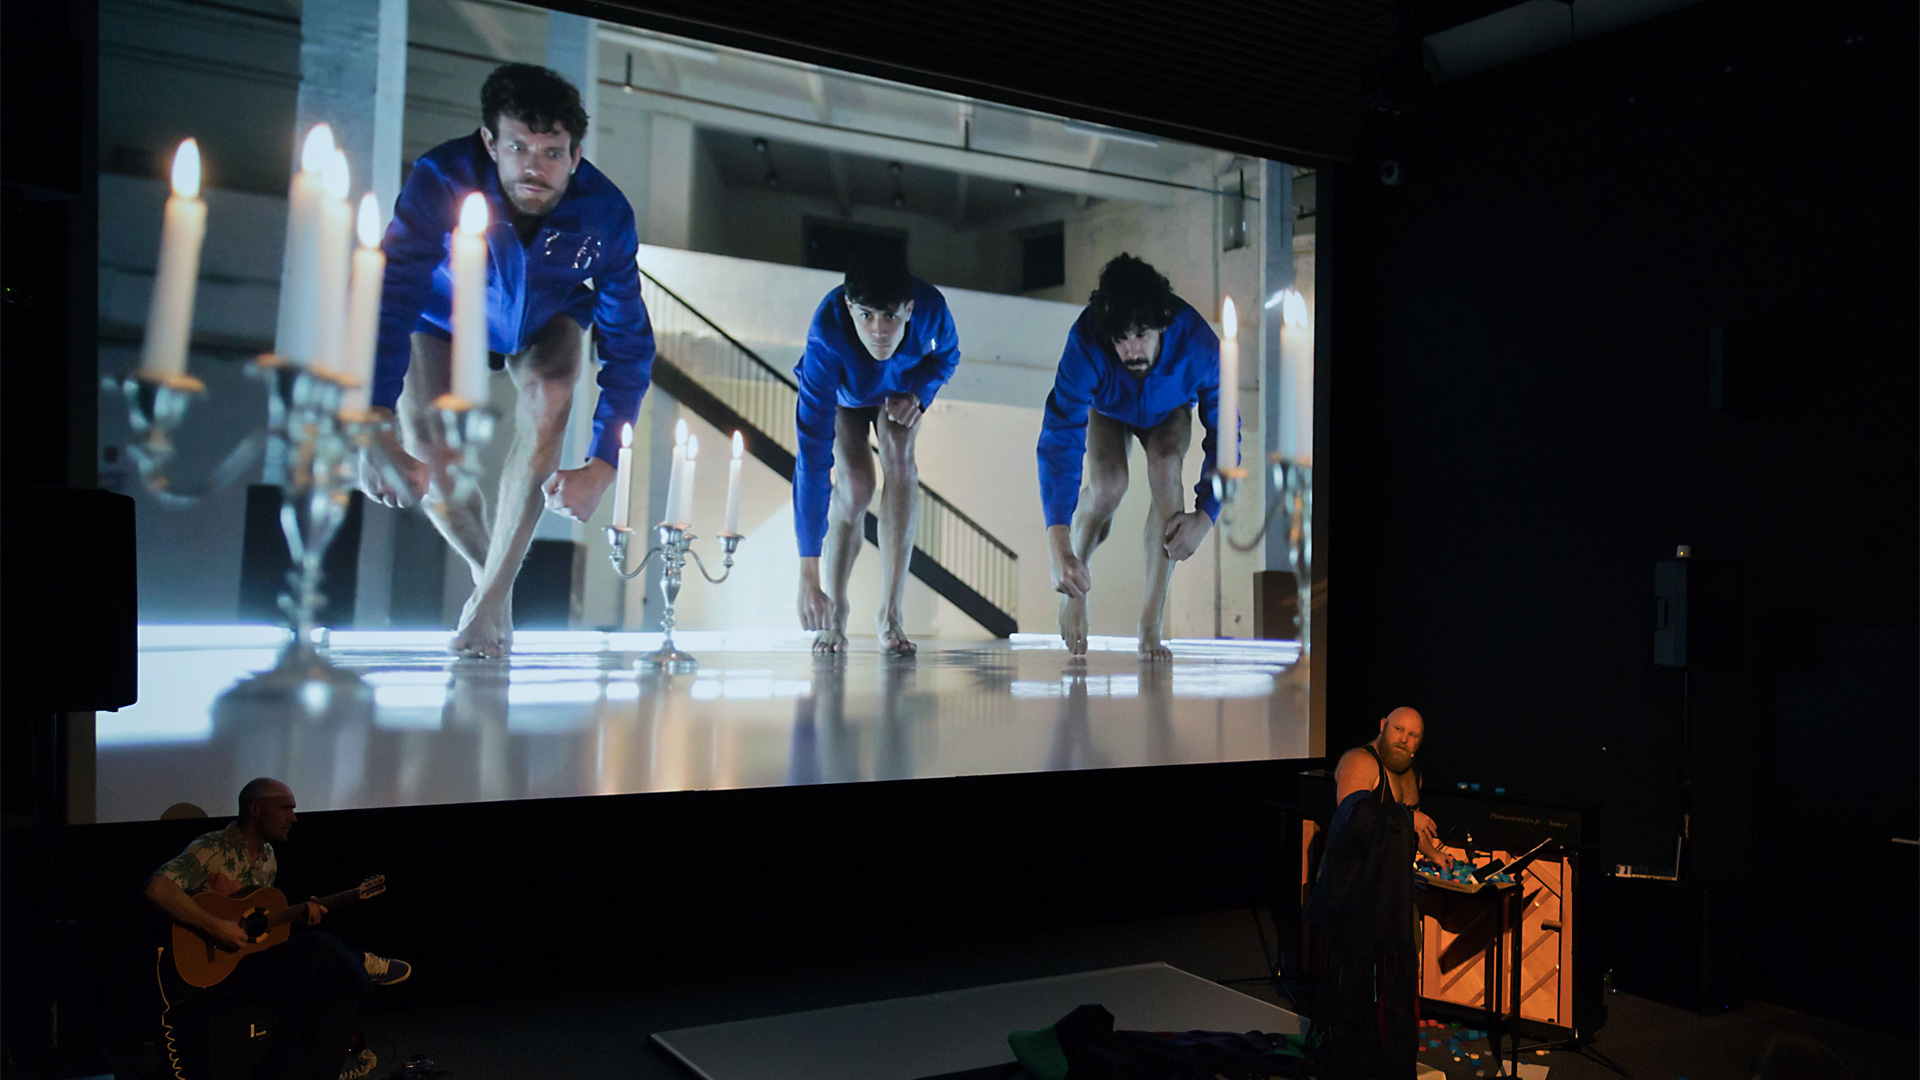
(590,234)
(1091,377)
(836,369)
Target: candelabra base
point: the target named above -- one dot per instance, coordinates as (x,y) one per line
(302,676)
(669,659)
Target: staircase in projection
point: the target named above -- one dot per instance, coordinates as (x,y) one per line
(729,386)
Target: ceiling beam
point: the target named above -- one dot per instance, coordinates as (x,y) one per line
(980,164)
(488,26)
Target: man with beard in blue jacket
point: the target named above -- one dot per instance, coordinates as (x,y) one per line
(561,246)
(1136,362)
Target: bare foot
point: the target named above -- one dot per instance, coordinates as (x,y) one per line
(1153,650)
(893,638)
(1073,624)
(486,629)
(829,641)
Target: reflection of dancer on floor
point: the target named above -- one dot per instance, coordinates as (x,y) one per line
(556,222)
(880,347)
(823,750)
(1136,360)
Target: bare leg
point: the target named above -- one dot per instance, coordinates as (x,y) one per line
(899,511)
(544,374)
(1104,485)
(462,522)
(846,520)
(1166,448)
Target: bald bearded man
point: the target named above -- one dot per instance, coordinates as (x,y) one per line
(1365,1019)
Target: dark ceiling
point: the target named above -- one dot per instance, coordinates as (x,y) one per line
(1287,80)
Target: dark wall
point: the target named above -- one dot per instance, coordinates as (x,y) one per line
(1521,427)
(661,887)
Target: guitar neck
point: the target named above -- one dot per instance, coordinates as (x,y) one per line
(299,911)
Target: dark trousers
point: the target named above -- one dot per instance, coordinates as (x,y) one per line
(318,985)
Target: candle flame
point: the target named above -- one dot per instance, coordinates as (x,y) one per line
(318,148)
(739,446)
(473,214)
(368,221)
(680,433)
(186,170)
(1229,319)
(1293,309)
(693,446)
(336,178)
(626,436)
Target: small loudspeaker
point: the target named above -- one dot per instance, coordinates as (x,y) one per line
(1670,612)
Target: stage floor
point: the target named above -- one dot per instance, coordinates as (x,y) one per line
(569,715)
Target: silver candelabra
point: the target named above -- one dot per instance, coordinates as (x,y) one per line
(318,447)
(1292,502)
(674,548)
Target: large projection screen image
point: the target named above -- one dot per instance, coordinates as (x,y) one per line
(932,394)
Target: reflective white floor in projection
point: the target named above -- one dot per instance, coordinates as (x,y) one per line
(569,715)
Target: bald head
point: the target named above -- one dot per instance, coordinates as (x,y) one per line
(1401,732)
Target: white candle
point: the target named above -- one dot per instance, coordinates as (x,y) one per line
(336,241)
(300,264)
(686,480)
(170,313)
(1226,451)
(733,486)
(470,303)
(623,477)
(1296,378)
(363,309)
(669,514)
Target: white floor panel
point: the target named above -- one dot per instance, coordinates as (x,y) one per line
(906,1038)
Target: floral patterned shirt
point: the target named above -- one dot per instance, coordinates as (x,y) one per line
(220,861)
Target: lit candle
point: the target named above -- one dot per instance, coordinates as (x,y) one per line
(686,480)
(670,513)
(1226,450)
(170,313)
(363,309)
(336,241)
(1296,378)
(300,265)
(623,477)
(470,303)
(733,486)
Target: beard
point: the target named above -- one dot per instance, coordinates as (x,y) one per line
(538,203)
(1395,759)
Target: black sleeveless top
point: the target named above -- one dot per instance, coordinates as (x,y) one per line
(1363,899)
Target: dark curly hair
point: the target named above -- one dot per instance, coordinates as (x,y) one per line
(1132,295)
(535,96)
(879,280)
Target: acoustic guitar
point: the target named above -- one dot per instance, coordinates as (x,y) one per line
(266,917)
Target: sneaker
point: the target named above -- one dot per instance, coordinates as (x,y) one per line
(358,1066)
(385,972)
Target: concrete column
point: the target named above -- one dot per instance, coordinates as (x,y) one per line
(669,217)
(573,50)
(1276,273)
(353,75)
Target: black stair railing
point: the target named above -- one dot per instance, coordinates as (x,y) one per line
(729,386)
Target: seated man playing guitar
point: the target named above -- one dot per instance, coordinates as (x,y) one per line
(315,979)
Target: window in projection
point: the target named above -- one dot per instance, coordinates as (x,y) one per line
(932,385)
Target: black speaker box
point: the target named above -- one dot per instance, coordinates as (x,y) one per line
(72,600)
